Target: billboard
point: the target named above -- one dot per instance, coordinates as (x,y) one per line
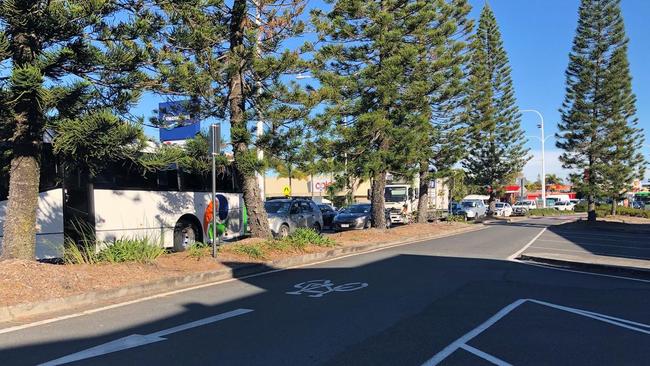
(176,121)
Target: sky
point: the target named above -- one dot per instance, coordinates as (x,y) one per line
(538,36)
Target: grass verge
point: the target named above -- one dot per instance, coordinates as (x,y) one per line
(298,241)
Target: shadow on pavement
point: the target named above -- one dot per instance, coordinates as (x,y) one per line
(389,311)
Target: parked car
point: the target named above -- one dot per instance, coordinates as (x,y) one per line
(473,209)
(357,216)
(328,213)
(638,205)
(287,215)
(522,207)
(564,206)
(503,209)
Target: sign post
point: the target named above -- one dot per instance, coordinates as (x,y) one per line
(215,149)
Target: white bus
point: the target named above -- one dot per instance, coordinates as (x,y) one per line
(169,206)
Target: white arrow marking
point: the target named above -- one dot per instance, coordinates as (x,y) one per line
(136,340)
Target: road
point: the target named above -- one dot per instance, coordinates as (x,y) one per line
(450,301)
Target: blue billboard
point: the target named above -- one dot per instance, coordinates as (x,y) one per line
(176,121)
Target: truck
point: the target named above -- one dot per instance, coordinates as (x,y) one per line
(402,200)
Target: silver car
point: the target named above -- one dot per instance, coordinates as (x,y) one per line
(473,209)
(287,215)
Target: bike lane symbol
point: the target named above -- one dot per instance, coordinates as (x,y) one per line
(318,288)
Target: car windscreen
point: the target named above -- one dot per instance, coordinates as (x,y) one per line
(276,207)
(357,209)
(501,205)
(468,204)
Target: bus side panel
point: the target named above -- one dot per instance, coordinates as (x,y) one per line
(131,213)
(49,224)
(233,221)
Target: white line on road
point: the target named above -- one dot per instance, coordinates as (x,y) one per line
(136,340)
(594,245)
(552,268)
(440,356)
(197,287)
(462,341)
(593,253)
(518,253)
(485,356)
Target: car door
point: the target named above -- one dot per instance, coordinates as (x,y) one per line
(307,214)
(295,215)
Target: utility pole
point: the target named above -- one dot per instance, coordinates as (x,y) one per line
(542,140)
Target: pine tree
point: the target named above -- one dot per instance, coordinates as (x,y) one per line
(57,51)
(372,69)
(230,59)
(598,132)
(496,140)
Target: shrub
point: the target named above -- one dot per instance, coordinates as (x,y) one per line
(197,250)
(79,254)
(310,237)
(136,249)
(254,251)
(456,218)
(545,212)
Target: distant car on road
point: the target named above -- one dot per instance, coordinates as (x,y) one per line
(522,207)
(503,209)
(473,209)
(357,216)
(564,206)
(328,213)
(287,215)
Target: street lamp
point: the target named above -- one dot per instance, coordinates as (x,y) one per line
(542,140)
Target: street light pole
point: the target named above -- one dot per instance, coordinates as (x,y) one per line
(541,127)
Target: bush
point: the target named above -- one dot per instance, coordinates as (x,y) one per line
(545,212)
(296,242)
(137,249)
(310,237)
(198,250)
(456,218)
(255,251)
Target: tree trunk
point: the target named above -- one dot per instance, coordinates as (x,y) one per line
(19,240)
(239,134)
(377,200)
(423,198)
(492,202)
(614,203)
(591,208)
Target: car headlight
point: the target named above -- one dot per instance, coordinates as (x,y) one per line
(360,219)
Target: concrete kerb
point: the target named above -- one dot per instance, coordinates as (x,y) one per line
(586,265)
(16,312)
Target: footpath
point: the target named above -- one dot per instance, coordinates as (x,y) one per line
(33,291)
(616,245)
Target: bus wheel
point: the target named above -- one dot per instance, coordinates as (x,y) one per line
(185,234)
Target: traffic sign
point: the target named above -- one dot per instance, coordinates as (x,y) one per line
(287,191)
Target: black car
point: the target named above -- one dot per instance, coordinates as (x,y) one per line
(328,214)
(357,216)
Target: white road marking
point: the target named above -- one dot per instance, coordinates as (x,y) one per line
(136,340)
(318,288)
(462,341)
(485,356)
(581,233)
(518,253)
(440,356)
(174,292)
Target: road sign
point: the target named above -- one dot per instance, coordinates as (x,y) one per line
(287,191)
(215,139)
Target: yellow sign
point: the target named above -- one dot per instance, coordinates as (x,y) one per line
(287,191)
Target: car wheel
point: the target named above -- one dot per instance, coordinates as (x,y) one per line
(367,225)
(284,231)
(388,224)
(317,227)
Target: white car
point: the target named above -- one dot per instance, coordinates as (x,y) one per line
(564,206)
(503,209)
(522,207)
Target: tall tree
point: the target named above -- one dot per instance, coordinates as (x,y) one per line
(599,130)
(374,52)
(53,52)
(439,73)
(496,147)
(230,57)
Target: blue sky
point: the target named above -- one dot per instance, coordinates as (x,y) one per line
(538,35)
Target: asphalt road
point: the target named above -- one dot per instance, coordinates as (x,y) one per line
(453,301)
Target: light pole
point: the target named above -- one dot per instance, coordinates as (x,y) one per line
(542,140)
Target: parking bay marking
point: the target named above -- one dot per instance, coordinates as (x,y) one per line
(136,340)
(318,288)
(461,343)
